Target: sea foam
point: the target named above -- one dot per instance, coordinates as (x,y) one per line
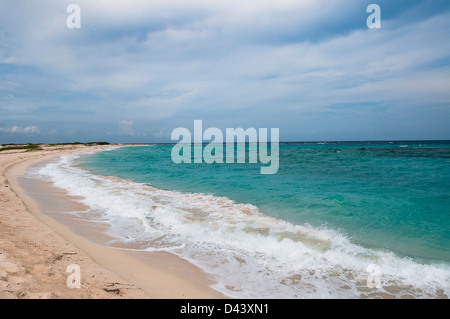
(248,254)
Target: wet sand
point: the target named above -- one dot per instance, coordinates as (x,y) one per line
(40,238)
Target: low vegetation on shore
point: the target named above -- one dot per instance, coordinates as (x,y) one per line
(37,147)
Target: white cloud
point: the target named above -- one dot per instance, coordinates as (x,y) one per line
(126,128)
(9,60)
(176,59)
(159,134)
(23,130)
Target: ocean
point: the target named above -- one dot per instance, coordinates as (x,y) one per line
(338,219)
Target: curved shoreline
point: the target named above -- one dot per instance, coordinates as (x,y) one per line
(36,250)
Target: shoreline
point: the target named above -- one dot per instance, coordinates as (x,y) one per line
(36,250)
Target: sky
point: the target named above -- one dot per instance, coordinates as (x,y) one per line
(136,70)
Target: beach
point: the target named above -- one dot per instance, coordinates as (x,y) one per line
(37,250)
(137,225)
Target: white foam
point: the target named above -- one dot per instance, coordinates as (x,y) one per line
(250,255)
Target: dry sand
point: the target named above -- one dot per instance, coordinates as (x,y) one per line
(36,250)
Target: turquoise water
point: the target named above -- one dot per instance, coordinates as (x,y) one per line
(394,197)
(334,219)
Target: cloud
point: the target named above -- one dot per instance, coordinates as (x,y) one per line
(237,63)
(22,130)
(126,128)
(159,134)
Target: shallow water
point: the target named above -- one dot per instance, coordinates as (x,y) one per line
(334,220)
